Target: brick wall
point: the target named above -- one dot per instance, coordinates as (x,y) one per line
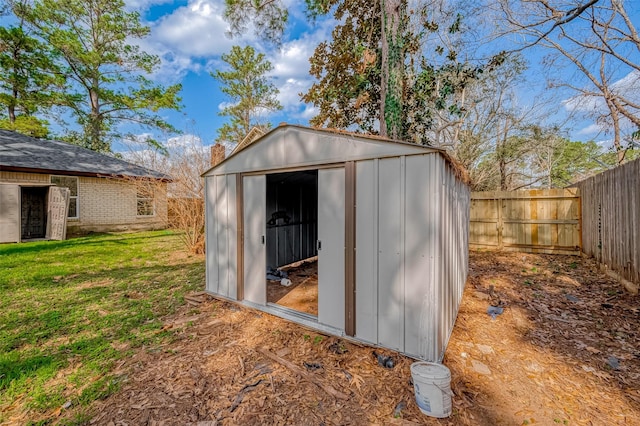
(105,204)
(23,177)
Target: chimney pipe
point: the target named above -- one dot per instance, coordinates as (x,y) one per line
(217,154)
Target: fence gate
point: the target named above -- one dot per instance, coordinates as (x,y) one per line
(536,221)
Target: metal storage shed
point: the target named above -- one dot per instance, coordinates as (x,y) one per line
(388,222)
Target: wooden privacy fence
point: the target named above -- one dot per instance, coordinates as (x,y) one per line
(611,219)
(537,221)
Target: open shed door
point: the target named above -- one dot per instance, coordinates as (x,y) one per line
(331,247)
(9,213)
(255,227)
(57,213)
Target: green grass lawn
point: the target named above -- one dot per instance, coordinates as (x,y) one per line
(70,310)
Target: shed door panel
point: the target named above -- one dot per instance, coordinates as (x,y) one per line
(57,212)
(255,225)
(9,213)
(331,217)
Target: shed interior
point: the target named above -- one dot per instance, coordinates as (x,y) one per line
(291,238)
(33,207)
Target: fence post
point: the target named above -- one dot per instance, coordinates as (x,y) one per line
(500,206)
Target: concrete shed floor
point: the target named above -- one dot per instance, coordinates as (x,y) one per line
(565,350)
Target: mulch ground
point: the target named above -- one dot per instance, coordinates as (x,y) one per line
(565,350)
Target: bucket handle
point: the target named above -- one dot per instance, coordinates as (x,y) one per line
(450,392)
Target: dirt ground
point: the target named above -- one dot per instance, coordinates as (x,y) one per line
(564,351)
(302,294)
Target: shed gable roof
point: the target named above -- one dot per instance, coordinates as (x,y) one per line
(296,146)
(24,153)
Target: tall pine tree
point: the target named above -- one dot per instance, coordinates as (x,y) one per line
(106,71)
(29,81)
(250,92)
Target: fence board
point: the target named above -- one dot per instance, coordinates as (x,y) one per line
(539,221)
(611,212)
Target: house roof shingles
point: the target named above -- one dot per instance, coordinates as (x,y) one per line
(24,153)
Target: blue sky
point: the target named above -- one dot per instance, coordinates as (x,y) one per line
(189,37)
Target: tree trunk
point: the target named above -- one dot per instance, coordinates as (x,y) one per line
(95,134)
(12,113)
(392,77)
(14,92)
(615,118)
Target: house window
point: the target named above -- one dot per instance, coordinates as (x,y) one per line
(146,206)
(70,182)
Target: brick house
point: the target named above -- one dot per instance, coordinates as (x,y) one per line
(104,193)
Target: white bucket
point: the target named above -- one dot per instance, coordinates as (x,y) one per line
(432,386)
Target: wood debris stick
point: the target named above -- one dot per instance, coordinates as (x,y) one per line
(241,366)
(195,298)
(240,396)
(300,372)
(181,321)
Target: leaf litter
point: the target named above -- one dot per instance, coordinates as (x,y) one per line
(548,360)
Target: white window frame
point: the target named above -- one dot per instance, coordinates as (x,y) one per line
(71,197)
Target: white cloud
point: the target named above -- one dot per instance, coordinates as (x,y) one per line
(223,105)
(308,112)
(591,129)
(143,4)
(192,38)
(184,141)
(628,87)
(189,37)
(197,29)
(291,69)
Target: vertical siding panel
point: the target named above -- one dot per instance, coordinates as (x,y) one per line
(212,234)
(232,235)
(390,296)
(417,241)
(436,254)
(223,235)
(442,303)
(366,251)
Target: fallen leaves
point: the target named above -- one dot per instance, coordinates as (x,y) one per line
(546,354)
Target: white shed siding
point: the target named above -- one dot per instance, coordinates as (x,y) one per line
(295,147)
(221,238)
(422,254)
(411,220)
(211,236)
(367,250)
(390,283)
(453,242)
(221,224)
(232,236)
(411,261)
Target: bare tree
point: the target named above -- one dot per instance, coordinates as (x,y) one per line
(184,161)
(598,39)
